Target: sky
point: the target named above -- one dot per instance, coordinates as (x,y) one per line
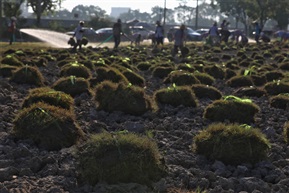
(142,5)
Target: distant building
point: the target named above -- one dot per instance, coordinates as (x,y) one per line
(116,11)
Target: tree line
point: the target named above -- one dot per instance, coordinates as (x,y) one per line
(240,13)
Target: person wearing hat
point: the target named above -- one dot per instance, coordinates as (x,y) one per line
(78,34)
(12,29)
(159,34)
(117,32)
(179,38)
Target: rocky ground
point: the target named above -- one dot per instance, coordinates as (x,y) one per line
(28,169)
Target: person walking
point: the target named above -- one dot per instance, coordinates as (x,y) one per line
(214,35)
(179,38)
(11,30)
(117,32)
(159,34)
(78,34)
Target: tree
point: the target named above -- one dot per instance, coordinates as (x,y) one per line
(41,6)
(12,8)
(157,13)
(135,14)
(260,10)
(88,12)
(184,13)
(207,14)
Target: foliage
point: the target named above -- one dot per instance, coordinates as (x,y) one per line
(176,96)
(258,9)
(232,144)
(122,97)
(72,85)
(233,110)
(40,7)
(48,126)
(119,158)
(49,96)
(28,75)
(11,9)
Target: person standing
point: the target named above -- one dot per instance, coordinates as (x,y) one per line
(117,31)
(257,32)
(225,33)
(214,36)
(78,34)
(159,34)
(11,30)
(179,38)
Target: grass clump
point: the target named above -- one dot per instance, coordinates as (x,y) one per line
(240,81)
(232,109)
(28,75)
(49,96)
(215,71)
(232,144)
(7,70)
(12,61)
(133,77)
(206,91)
(276,87)
(162,71)
(176,96)
(109,73)
(119,158)
(72,85)
(204,78)
(48,126)
(121,97)
(75,69)
(280,101)
(181,78)
(251,91)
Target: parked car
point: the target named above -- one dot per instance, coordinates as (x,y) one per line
(204,32)
(145,33)
(191,35)
(103,33)
(89,33)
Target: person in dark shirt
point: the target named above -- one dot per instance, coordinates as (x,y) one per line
(117,31)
